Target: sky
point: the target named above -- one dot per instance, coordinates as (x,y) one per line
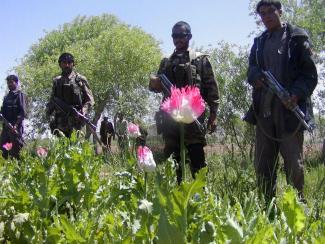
(24,22)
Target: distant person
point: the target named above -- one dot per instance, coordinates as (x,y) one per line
(121,132)
(106,132)
(13,111)
(73,89)
(284,50)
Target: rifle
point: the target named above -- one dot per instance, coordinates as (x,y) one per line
(69,109)
(272,83)
(19,138)
(166,84)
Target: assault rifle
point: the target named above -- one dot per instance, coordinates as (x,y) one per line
(69,109)
(272,83)
(166,84)
(19,138)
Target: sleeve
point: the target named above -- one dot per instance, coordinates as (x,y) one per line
(254,71)
(102,129)
(162,66)
(88,98)
(209,86)
(22,108)
(50,105)
(306,81)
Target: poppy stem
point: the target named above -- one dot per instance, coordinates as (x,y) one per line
(182,151)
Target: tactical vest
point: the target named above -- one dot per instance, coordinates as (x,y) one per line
(184,69)
(11,106)
(70,90)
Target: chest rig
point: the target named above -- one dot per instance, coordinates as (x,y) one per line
(183,69)
(69,89)
(11,106)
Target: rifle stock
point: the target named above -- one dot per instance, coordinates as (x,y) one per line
(19,138)
(275,86)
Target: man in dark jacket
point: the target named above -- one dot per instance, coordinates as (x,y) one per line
(187,67)
(283,50)
(106,132)
(13,111)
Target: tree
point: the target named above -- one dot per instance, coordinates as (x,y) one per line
(116,59)
(230,66)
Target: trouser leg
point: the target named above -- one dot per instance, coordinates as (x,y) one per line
(197,157)
(266,153)
(291,150)
(172,147)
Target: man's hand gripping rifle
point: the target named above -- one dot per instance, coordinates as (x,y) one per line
(69,109)
(12,129)
(166,86)
(272,83)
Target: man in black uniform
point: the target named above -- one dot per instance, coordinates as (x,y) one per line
(13,111)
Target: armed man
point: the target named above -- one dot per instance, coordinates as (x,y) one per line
(13,113)
(282,52)
(70,89)
(186,67)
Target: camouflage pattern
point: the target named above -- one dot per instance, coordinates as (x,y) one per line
(73,90)
(14,111)
(121,131)
(189,68)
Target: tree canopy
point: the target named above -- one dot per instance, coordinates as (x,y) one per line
(116,59)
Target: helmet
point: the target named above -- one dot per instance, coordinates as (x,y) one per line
(66,57)
(12,77)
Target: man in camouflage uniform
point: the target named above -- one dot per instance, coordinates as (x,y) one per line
(14,111)
(284,50)
(73,89)
(187,67)
(121,131)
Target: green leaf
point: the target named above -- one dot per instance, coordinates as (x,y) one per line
(70,231)
(293,211)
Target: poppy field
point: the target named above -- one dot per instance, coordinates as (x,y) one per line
(64,193)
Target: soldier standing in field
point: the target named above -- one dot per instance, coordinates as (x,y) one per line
(187,67)
(106,132)
(13,111)
(121,131)
(284,50)
(73,89)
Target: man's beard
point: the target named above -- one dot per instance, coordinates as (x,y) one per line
(67,71)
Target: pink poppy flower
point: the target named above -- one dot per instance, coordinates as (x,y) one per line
(7,146)
(146,161)
(42,152)
(133,130)
(185,104)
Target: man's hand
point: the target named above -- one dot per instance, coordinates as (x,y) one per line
(212,122)
(155,84)
(291,103)
(258,83)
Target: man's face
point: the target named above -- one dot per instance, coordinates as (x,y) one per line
(271,17)
(66,66)
(181,38)
(12,85)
